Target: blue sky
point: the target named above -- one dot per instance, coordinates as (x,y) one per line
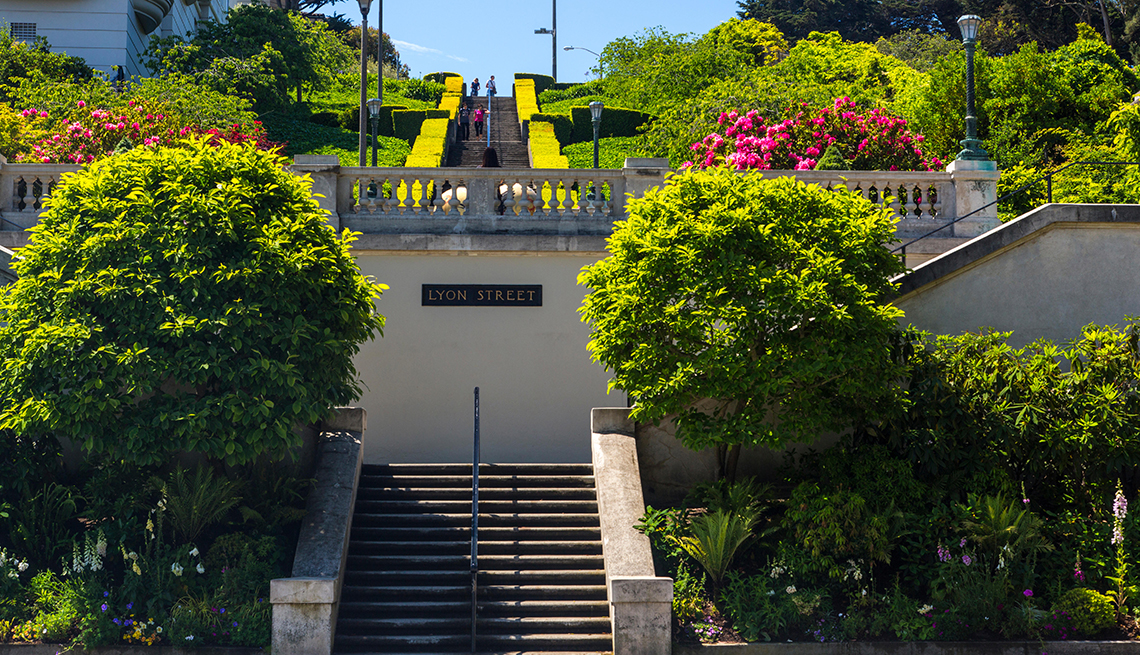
(480,39)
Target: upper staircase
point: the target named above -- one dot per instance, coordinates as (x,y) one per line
(541,580)
(506,138)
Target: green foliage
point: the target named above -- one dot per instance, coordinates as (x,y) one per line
(257,78)
(541,82)
(166,303)
(755,607)
(763,296)
(715,538)
(305,138)
(761,42)
(438,78)
(406,123)
(612,152)
(832,160)
(193,503)
(593,87)
(245,565)
(1090,611)
(837,526)
(616,121)
(20,60)
(1003,529)
(919,50)
(58,604)
(565,106)
(39,525)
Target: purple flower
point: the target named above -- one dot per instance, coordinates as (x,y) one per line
(130,605)
(116,621)
(962,544)
(967,560)
(103,607)
(1028,593)
(106,593)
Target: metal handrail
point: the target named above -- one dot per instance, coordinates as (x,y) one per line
(475,524)
(1048,178)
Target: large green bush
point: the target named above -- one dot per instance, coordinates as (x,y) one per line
(616,121)
(406,122)
(1090,611)
(182,299)
(19,60)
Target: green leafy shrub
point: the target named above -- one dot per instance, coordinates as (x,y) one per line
(38,527)
(541,82)
(326,118)
(244,565)
(349,119)
(616,121)
(180,311)
(439,78)
(196,502)
(756,609)
(306,138)
(20,60)
(714,540)
(1091,612)
(591,88)
(424,90)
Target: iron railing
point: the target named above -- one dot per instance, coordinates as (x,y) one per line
(1047,178)
(475,525)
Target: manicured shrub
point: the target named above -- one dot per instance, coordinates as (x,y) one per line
(563,126)
(1089,610)
(454,84)
(406,122)
(544,149)
(431,144)
(182,300)
(541,82)
(326,118)
(451,102)
(349,119)
(560,92)
(440,77)
(526,103)
(414,89)
(616,121)
(612,152)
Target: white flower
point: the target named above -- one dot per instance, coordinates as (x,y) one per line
(791,589)
(194,553)
(158,629)
(22,566)
(201,569)
(176,569)
(925,608)
(189,637)
(771,592)
(133,555)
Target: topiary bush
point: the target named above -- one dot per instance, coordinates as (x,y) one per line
(1089,610)
(616,121)
(406,122)
(563,127)
(541,82)
(439,77)
(544,149)
(187,299)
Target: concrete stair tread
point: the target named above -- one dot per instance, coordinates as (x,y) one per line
(464,482)
(485,561)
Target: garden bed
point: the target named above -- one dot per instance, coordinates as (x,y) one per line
(912,648)
(55,649)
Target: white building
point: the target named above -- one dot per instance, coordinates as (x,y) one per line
(107,33)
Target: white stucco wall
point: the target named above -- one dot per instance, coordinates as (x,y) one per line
(1049,283)
(537,383)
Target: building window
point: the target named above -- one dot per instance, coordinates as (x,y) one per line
(23,31)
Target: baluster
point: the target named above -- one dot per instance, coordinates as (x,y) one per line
(603,207)
(924,204)
(421,206)
(19,191)
(453,203)
(509,199)
(935,201)
(583,204)
(436,203)
(385,198)
(913,198)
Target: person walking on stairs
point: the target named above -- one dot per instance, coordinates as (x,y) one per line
(475,88)
(478,120)
(464,122)
(491,90)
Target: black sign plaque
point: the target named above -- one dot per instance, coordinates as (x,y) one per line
(481,295)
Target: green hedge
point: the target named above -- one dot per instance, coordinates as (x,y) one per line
(541,82)
(616,121)
(350,118)
(563,126)
(406,122)
(305,138)
(561,92)
(439,77)
(562,86)
(326,118)
(611,152)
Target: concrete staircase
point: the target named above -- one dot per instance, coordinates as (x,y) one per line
(506,139)
(407,585)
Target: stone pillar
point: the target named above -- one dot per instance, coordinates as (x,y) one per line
(642,615)
(644,173)
(323,170)
(5,188)
(304,615)
(480,196)
(975,186)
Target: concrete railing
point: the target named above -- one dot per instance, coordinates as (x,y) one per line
(305,605)
(640,602)
(574,201)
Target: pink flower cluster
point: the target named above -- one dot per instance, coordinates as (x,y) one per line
(88,136)
(869,140)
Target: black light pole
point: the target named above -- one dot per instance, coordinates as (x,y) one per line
(553,32)
(596,108)
(365,5)
(971,145)
(380,54)
(374,115)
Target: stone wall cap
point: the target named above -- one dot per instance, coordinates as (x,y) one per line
(302,590)
(316,160)
(641,589)
(646,162)
(347,419)
(611,420)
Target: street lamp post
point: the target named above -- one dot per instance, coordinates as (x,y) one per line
(570,47)
(380,52)
(365,5)
(374,115)
(553,32)
(596,108)
(971,145)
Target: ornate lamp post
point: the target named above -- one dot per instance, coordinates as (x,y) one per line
(971,145)
(596,108)
(374,115)
(365,5)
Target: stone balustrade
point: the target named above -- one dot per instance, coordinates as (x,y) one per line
(537,201)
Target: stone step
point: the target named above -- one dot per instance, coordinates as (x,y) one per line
(554,577)
(544,608)
(463,547)
(463,562)
(465,469)
(436,608)
(485,534)
(462,608)
(429,493)
(493,481)
(423,593)
(365,519)
(539,625)
(464,506)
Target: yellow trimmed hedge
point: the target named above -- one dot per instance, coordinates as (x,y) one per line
(525,99)
(454,84)
(451,102)
(430,145)
(544,149)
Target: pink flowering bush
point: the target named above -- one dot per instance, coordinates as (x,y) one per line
(86,135)
(869,140)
